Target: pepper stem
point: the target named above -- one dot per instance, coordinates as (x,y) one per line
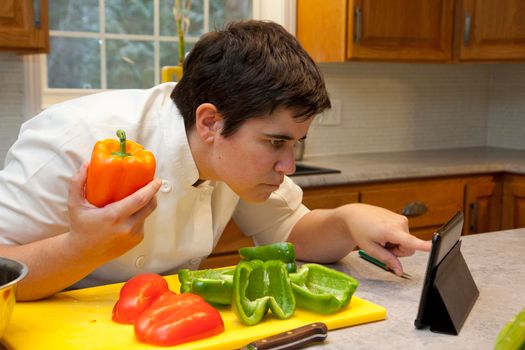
(121,134)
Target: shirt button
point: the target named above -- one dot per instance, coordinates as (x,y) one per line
(140,261)
(165,186)
(195,261)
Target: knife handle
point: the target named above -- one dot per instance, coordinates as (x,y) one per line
(292,339)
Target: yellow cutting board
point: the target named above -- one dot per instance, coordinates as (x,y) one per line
(81,319)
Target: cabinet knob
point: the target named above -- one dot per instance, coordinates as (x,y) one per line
(415,208)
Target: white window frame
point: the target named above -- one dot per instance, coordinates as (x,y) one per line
(39,96)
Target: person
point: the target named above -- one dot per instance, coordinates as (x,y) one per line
(223,139)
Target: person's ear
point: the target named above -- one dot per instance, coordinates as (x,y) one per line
(208,122)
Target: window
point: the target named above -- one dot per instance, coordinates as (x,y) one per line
(112,44)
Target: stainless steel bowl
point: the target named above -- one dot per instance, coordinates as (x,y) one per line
(11,272)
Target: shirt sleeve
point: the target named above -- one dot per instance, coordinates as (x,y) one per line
(35,180)
(273,220)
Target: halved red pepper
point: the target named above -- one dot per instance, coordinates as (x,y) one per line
(137,295)
(178,318)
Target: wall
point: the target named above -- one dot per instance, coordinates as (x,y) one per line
(506,113)
(11,100)
(385,106)
(396,107)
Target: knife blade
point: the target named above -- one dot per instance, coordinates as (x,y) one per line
(381,264)
(292,339)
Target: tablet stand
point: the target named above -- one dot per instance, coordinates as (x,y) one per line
(452,294)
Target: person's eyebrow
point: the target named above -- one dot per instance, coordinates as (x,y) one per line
(283,137)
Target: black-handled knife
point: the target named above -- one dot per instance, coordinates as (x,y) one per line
(292,339)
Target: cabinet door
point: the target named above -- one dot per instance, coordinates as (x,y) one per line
(513,213)
(400,30)
(24,26)
(482,206)
(427,204)
(321,29)
(492,30)
(329,197)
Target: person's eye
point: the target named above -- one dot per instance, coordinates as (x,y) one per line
(276,143)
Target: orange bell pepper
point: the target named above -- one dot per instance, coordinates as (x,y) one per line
(117,169)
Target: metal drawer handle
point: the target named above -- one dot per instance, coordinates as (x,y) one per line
(415,208)
(37,13)
(466,34)
(358,25)
(473,218)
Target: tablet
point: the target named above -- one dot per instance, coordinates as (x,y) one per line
(443,241)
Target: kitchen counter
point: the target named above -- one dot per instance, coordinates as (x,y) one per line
(80,319)
(496,262)
(359,168)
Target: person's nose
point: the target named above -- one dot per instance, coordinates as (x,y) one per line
(286,163)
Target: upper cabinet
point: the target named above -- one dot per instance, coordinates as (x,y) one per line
(24,26)
(412,30)
(491,30)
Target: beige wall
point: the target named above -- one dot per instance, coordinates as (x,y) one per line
(11,100)
(396,107)
(385,106)
(506,113)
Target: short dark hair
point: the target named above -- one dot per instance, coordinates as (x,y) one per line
(249,69)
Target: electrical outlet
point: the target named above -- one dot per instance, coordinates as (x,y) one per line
(330,116)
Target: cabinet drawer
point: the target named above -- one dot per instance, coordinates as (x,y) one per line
(439,201)
(329,197)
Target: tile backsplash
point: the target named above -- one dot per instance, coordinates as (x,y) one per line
(397,107)
(384,106)
(11,100)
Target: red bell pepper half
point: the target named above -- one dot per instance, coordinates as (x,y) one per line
(178,318)
(137,295)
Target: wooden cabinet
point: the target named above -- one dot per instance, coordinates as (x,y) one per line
(329,197)
(427,204)
(513,204)
(482,207)
(400,30)
(412,30)
(491,30)
(489,202)
(24,26)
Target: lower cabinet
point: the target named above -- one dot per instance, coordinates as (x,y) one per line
(427,204)
(513,203)
(482,205)
(489,203)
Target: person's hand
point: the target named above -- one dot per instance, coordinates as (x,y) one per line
(106,233)
(382,233)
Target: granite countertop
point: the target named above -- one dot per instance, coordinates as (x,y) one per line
(358,168)
(496,263)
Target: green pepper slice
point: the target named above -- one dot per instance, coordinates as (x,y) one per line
(512,335)
(259,286)
(282,251)
(321,289)
(213,285)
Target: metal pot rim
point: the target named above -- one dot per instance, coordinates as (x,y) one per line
(16,265)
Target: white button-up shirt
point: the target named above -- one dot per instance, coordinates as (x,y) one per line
(188,221)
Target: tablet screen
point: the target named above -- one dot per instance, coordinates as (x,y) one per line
(444,239)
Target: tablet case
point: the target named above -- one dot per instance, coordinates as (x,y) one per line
(452,294)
